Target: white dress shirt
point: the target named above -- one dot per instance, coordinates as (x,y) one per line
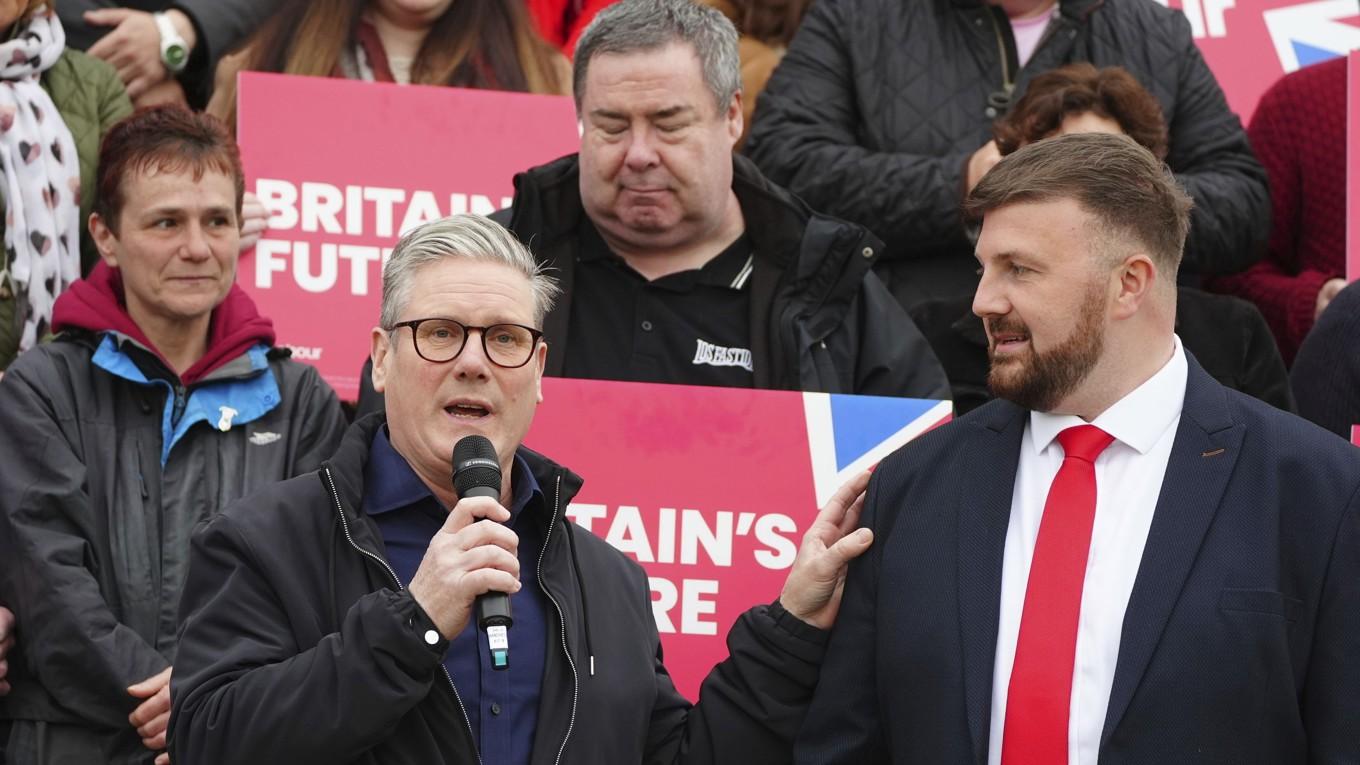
(1128,481)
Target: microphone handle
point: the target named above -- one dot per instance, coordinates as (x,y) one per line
(493,608)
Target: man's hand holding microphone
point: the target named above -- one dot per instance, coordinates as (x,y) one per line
(474,558)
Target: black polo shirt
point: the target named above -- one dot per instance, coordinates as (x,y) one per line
(691,327)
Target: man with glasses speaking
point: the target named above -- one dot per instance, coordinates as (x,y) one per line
(329,618)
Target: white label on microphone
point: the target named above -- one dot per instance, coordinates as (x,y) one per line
(497,638)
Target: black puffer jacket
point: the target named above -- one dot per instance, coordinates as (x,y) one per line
(820,319)
(96,515)
(298,645)
(876,108)
(1326,373)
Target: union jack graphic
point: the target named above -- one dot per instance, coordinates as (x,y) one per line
(847,434)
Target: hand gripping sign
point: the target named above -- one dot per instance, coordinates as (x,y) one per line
(711,489)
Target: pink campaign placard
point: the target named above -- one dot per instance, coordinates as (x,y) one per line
(711,489)
(1353,167)
(1249,44)
(344,167)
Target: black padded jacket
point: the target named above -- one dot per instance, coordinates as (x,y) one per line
(298,644)
(873,114)
(820,319)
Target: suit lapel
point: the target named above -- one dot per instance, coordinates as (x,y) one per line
(1202,459)
(984,515)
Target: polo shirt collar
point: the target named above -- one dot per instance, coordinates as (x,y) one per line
(730,268)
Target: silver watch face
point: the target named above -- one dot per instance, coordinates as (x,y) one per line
(175,56)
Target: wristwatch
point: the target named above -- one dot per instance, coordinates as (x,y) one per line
(174,50)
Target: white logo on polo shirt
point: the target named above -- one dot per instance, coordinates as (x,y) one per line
(718,356)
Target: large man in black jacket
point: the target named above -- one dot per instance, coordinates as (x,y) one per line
(680,263)
(881,113)
(318,612)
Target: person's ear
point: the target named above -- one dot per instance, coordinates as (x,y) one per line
(380,351)
(540,363)
(1136,277)
(104,238)
(736,119)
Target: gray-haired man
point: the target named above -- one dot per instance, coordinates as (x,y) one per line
(327,618)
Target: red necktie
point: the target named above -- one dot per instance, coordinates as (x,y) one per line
(1040,694)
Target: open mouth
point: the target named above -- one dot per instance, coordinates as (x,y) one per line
(467,411)
(1008,342)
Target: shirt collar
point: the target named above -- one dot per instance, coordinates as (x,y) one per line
(523,487)
(730,268)
(1137,420)
(391,484)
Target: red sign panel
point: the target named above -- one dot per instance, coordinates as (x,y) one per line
(1353,167)
(345,167)
(711,489)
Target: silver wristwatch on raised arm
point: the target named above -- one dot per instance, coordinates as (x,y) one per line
(174,49)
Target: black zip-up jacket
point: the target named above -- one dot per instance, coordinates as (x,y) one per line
(820,319)
(873,114)
(95,527)
(298,645)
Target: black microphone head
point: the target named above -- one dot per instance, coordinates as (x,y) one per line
(476,469)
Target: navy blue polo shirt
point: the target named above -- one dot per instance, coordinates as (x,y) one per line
(502,706)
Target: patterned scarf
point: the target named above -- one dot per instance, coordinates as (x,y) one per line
(41,176)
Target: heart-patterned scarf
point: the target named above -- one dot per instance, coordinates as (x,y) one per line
(41,176)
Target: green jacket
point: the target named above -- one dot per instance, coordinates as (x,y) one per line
(90,98)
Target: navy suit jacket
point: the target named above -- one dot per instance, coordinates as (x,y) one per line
(1241,641)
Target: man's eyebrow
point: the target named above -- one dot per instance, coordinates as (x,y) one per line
(170,211)
(1005,256)
(659,114)
(670,111)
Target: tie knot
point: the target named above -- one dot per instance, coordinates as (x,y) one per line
(1084,442)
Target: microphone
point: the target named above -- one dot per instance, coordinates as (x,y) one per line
(477,473)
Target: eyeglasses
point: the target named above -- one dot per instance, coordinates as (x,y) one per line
(441,340)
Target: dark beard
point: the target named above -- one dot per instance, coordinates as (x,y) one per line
(1040,381)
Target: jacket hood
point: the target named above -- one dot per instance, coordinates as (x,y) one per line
(809,267)
(96,304)
(548,204)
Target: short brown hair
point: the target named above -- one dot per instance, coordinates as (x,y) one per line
(1078,88)
(165,138)
(1131,193)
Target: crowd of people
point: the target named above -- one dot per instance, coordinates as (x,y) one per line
(1042,210)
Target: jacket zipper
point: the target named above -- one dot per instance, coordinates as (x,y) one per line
(180,401)
(344,524)
(561,619)
(1006,80)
